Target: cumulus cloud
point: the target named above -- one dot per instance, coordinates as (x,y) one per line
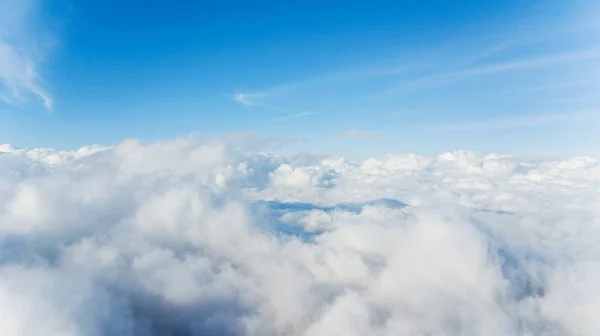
(21,51)
(200,238)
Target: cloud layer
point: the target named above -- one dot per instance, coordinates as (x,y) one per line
(189,238)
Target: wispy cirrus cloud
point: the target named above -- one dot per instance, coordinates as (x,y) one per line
(355,134)
(252,99)
(552,55)
(288,117)
(521,64)
(242,99)
(531,76)
(248,100)
(22,50)
(516,122)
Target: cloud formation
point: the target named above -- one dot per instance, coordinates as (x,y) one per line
(241,98)
(361,135)
(244,99)
(523,121)
(189,238)
(538,62)
(21,51)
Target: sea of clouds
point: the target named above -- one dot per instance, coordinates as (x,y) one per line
(186,237)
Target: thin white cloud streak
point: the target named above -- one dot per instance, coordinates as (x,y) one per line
(455,76)
(360,135)
(558,33)
(249,100)
(356,74)
(552,87)
(565,84)
(244,100)
(241,98)
(525,121)
(289,117)
(545,61)
(181,237)
(349,75)
(20,53)
(425,73)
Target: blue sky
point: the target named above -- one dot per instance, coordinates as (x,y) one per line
(355,78)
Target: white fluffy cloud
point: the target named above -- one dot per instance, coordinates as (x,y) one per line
(188,238)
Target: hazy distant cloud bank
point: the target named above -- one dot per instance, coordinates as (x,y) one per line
(188,238)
